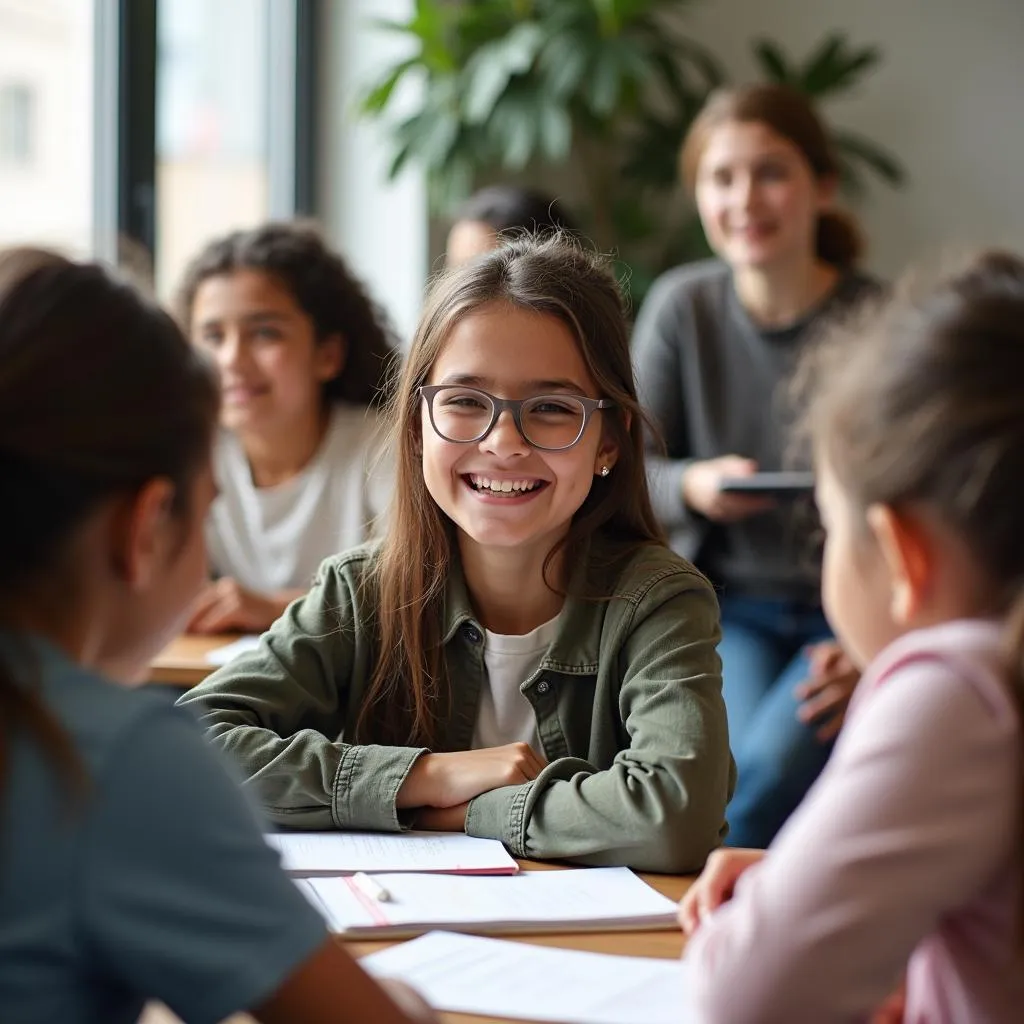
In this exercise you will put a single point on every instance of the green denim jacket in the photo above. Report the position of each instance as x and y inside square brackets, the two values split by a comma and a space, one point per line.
[628, 700]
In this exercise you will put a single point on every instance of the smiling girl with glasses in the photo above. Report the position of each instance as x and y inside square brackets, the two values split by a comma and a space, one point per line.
[521, 657]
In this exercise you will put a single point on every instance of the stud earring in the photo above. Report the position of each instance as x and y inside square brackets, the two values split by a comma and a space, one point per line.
[605, 471]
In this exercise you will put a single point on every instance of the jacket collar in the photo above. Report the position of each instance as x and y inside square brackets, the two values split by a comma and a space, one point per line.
[574, 650]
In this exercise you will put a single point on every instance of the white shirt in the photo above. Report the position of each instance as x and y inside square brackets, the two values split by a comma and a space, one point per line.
[274, 538]
[505, 715]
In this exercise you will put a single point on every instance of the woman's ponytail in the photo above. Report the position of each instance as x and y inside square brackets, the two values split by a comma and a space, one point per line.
[839, 241]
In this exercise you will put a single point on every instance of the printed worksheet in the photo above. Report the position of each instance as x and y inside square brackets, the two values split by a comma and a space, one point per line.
[467, 974]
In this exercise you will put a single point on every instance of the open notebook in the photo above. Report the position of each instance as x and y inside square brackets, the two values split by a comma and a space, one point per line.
[585, 899]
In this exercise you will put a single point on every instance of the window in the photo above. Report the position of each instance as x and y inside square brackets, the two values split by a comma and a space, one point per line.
[211, 125]
[138, 129]
[46, 108]
[230, 86]
[16, 114]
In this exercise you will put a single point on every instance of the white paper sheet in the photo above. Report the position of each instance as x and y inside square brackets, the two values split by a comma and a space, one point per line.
[581, 900]
[337, 853]
[495, 978]
[222, 655]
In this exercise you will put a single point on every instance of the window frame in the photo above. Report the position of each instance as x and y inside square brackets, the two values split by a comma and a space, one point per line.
[124, 121]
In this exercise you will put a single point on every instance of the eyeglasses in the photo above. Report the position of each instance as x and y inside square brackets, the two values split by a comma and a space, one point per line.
[549, 422]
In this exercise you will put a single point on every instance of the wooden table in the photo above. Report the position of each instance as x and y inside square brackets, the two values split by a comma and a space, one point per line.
[183, 661]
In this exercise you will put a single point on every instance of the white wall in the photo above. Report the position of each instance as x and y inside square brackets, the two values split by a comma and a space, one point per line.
[380, 227]
[947, 99]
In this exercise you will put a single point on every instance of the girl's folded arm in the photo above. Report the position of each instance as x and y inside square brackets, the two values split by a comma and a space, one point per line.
[280, 712]
[660, 806]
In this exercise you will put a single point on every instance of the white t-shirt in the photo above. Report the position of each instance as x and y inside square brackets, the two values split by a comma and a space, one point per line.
[274, 538]
[505, 715]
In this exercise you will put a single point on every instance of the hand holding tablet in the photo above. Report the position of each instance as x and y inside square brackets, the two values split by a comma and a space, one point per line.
[780, 484]
[731, 488]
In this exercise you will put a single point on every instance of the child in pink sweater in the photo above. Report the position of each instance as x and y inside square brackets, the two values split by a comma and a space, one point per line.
[902, 869]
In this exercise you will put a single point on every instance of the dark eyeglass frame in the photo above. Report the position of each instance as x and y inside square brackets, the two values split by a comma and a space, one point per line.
[514, 406]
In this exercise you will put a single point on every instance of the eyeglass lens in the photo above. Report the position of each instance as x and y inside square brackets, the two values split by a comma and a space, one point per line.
[548, 421]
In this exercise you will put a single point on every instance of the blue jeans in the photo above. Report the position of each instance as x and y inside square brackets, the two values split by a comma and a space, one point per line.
[777, 756]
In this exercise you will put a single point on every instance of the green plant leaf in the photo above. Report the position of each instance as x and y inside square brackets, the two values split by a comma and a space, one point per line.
[408, 136]
[773, 62]
[398, 160]
[604, 86]
[514, 129]
[633, 58]
[629, 11]
[485, 80]
[855, 147]
[438, 140]
[821, 64]
[699, 58]
[449, 185]
[379, 95]
[851, 182]
[840, 73]
[562, 63]
[490, 69]
[429, 21]
[607, 17]
[391, 25]
[555, 132]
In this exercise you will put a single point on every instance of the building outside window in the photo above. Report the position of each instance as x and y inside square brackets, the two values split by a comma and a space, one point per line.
[46, 120]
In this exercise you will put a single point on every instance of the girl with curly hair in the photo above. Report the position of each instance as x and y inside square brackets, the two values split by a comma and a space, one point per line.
[303, 355]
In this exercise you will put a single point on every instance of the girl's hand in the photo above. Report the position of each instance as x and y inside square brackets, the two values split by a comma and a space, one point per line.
[226, 606]
[715, 885]
[827, 692]
[446, 780]
[702, 489]
[894, 1007]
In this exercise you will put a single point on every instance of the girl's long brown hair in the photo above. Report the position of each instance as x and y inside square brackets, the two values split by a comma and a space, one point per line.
[921, 402]
[790, 115]
[557, 277]
[99, 393]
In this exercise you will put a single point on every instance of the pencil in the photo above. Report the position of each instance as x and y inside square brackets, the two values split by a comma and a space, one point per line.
[370, 887]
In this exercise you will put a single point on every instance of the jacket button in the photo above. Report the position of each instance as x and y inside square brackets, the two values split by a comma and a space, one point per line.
[471, 633]
[543, 686]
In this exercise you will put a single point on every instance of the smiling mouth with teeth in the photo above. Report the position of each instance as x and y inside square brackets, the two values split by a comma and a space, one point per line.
[483, 485]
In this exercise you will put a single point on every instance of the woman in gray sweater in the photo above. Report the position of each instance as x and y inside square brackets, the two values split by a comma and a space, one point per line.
[713, 344]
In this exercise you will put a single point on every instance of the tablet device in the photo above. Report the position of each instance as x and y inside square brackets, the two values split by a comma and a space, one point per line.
[782, 484]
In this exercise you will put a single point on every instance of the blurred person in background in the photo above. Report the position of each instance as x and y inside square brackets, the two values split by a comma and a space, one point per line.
[712, 345]
[502, 211]
[303, 356]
